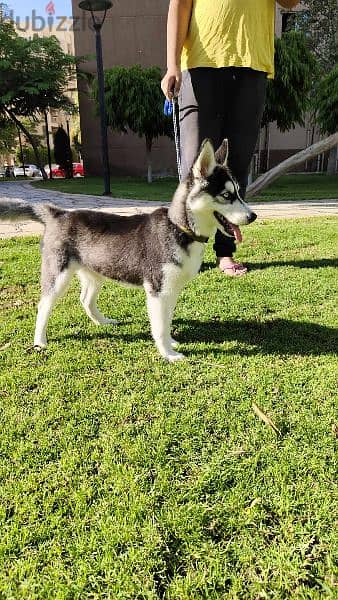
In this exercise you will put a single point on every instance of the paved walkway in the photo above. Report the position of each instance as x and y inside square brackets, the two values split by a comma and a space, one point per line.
[24, 191]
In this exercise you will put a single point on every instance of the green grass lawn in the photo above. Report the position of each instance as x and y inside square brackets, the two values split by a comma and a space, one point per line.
[289, 187]
[124, 477]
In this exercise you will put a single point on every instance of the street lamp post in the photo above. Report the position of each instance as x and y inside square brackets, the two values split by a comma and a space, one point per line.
[48, 146]
[94, 6]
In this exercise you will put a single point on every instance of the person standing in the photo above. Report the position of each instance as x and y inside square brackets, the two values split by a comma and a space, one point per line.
[219, 56]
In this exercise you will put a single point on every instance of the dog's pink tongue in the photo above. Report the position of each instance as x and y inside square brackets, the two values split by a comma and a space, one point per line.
[237, 233]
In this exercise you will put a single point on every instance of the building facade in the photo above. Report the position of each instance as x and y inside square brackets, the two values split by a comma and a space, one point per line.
[135, 33]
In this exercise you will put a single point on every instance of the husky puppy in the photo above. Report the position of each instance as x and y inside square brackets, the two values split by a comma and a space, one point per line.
[160, 251]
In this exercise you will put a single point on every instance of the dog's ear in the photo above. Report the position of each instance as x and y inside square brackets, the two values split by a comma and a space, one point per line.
[222, 153]
[205, 161]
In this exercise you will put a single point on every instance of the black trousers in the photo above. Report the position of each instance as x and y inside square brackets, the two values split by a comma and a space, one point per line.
[218, 103]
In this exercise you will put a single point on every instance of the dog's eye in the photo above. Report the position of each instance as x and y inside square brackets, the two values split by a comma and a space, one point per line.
[224, 195]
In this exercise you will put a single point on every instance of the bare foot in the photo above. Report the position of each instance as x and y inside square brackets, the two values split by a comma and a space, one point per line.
[231, 268]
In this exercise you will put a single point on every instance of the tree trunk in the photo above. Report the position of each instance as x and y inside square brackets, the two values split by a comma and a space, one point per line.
[264, 164]
[31, 141]
[250, 176]
[297, 159]
[308, 166]
[149, 143]
[259, 152]
[267, 129]
[332, 161]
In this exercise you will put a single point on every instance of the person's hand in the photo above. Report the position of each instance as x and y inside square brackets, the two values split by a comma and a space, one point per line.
[171, 83]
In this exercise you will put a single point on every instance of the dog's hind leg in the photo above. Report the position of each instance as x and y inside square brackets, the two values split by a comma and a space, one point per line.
[54, 285]
[160, 309]
[90, 287]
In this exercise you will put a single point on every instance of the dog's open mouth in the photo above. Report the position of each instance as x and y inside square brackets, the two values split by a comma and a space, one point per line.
[230, 228]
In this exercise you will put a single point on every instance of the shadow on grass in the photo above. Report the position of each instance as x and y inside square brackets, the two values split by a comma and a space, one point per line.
[279, 336]
[298, 264]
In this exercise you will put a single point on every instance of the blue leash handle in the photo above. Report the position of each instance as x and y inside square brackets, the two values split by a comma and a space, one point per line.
[168, 108]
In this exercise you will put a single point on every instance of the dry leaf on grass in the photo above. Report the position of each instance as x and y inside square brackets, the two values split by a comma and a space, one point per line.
[5, 346]
[254, 502]
[265, 418]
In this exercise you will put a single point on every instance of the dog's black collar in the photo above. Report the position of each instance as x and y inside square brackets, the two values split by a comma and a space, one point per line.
[190, 233]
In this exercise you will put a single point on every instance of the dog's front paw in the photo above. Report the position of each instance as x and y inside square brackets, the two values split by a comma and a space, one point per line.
[107, 321]
[40, 345]
[174, 356]
[173, 343]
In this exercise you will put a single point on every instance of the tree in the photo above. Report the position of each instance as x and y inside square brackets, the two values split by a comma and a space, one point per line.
[325, 105]
[326, 102]
[295, 90]
[77, 143]
[319, 23]
[8, 136]
[34, 74]
[288, 94]
[134, 101]
[63, 153]
[29, 155]
[293, 161]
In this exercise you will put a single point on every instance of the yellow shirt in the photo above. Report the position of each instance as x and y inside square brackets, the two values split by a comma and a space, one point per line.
[231, 33]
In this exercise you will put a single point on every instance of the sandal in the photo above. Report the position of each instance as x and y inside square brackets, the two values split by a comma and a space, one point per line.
[235, 270]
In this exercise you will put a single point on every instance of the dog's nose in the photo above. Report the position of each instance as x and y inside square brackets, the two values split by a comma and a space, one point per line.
[252, 217]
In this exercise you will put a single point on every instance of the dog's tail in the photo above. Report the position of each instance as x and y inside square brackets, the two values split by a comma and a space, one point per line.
[18, 210]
